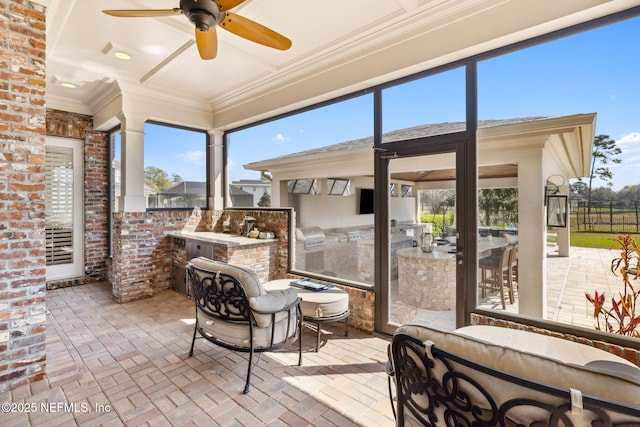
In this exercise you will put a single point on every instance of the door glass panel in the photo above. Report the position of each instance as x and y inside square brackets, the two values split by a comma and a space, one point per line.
[498, 248]
[422, 240]
[59, 205]
[63, 203]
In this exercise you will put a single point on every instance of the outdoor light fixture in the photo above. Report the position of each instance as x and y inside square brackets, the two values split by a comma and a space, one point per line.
[557, 203]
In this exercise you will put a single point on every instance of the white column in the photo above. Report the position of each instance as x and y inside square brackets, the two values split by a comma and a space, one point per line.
[132, 167]
[276, 200]
[532, 265]
[217, 172]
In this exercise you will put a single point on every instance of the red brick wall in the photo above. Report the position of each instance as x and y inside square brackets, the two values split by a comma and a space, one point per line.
[22, 187]
[274, 220]
[141, 258]
[96, 191]
[141, 261]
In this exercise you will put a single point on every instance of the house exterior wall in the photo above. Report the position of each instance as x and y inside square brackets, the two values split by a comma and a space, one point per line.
[22, 188]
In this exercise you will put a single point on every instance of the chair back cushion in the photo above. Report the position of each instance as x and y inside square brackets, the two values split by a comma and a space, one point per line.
[248, 278]
[592, 380]
[274, 300]
[225, 297]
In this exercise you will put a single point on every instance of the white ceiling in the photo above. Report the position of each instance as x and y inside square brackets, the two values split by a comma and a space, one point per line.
[338, 46]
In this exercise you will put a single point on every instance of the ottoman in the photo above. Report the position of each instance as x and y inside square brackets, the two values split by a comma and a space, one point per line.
[329, 305]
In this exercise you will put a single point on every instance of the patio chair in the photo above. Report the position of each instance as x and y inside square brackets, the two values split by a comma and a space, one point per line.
[496, 274]
[234, 311]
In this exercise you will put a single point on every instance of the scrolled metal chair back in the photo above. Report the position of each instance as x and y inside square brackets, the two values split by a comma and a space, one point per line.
[219, 295]
[438, 388]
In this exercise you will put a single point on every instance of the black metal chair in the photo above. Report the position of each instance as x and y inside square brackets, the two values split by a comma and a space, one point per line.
[235, 312]
[436, 388]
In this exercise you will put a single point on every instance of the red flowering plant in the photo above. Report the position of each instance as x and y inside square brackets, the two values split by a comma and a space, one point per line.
[623, 316]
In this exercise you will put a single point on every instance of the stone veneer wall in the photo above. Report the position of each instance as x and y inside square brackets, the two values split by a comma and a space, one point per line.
[96, 191]
[631, 354]
[22, 189]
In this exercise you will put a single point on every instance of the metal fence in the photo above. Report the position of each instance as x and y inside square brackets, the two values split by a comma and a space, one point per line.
[605, 217]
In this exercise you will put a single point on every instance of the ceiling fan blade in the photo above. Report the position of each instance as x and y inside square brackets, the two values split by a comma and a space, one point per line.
[225, 5]
[207, 42]
[142, 13]
[255, 32]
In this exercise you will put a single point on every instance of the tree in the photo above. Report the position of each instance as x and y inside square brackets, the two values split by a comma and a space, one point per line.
[265, 200]
[603, 194]
[176, 179]
[604, 152]
[629, 193]
[157, 178]
[495, 201]
[579, 189]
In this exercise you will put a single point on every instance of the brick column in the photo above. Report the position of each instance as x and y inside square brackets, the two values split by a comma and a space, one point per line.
[22, 188]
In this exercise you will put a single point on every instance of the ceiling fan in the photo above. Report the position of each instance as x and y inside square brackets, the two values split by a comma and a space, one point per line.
[206, 15]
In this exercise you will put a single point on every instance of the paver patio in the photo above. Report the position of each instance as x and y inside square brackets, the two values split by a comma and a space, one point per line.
[127, 364]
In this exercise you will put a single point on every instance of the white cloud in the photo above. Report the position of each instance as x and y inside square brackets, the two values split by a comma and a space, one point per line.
[630, 138]
[281, 138]
[193, 157]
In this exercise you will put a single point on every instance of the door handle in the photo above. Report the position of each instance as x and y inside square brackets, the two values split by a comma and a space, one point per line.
[459, 257]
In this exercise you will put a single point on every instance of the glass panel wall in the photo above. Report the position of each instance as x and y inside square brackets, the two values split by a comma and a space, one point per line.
[428, 106]
[320, 162]
[175, 167]
[542, 111]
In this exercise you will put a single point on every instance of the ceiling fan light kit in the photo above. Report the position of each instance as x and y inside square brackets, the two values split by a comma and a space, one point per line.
[208, 14]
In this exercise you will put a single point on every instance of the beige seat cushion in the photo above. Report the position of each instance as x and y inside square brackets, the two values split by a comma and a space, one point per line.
[323, 304]
[237, 334]
[536, 367]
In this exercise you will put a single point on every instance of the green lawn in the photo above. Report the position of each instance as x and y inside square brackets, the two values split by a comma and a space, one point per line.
[594, 240]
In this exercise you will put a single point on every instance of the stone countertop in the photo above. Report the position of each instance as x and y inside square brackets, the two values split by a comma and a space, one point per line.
[440, 252]
[222, 238]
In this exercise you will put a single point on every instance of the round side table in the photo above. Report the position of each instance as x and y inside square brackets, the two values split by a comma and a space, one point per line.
[329, 305]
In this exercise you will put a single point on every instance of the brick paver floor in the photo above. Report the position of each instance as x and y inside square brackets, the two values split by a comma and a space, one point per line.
[111, 364]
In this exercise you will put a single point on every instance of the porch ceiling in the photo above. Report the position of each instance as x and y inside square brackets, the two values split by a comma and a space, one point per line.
[338, 47]
[484, 172]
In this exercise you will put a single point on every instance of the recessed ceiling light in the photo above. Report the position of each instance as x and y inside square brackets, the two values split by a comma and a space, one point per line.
[122, 55]
[68, 85]
[118, 51]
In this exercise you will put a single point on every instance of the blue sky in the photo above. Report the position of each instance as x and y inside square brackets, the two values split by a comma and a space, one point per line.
[589, 72]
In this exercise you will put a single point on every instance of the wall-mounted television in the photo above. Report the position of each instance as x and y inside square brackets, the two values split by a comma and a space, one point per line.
[365, 205]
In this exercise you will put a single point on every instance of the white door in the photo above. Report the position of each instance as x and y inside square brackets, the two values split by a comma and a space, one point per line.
[64, 203]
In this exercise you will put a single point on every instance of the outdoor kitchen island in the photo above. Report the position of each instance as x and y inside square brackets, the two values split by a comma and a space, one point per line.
[259, 255]
[427, 279]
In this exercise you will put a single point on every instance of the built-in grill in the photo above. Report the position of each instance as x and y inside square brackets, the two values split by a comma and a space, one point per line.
[312, 237]
[352, 236]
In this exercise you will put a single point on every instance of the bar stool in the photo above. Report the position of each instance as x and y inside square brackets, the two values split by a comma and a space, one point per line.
[496, 274]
